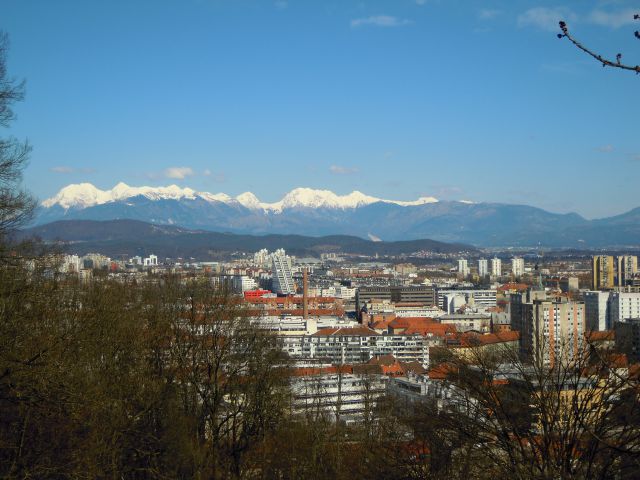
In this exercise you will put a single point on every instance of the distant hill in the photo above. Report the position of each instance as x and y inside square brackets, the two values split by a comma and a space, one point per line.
[322, 212]
[133, 237]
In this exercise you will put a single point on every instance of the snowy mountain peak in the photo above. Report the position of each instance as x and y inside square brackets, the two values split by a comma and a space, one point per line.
[249, 200]
[81, 195]
[310, 198]
[85, 195]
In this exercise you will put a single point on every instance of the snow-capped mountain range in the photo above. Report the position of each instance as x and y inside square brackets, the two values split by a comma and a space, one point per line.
[85, 195]
[312, 212]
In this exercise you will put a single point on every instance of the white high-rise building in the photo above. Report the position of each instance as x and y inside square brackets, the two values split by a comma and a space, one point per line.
[282, 275]
[261, 258]
[595, 310]
[483, 267]
[622, 306]
[151, 261]
[463, 267]
[496, 267]
[243, 283]
[517, 266]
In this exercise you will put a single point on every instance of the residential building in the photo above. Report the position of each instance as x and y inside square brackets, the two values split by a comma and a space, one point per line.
[151, 261]
[551, 329]
[243, 283]
[464, 322]
[517, 266]
[596, 310]
[627, 267]
[483, 267]
[340, 345]
[463, 267]
[569, 284]
[345, 393]
[282, 275]
[484, 298]
[623, 305]
[413, 294]
[602, 272]
[496, 267]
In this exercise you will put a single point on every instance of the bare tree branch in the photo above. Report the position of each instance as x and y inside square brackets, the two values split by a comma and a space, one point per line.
[605, 62]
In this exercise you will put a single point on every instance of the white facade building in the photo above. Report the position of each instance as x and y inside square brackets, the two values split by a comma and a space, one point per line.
[343, 396]
[622, 306]
[483, 298]
[71, 264]
[347, 345]
[463, 267]
[595, 309]
[517, 266]
[243, 283]
[483, 267]
[282, 275]
[496, 267]
[151, 261]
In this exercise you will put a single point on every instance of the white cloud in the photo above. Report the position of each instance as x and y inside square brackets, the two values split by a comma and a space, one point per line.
[421, 2]
[606, 148]
[380, 21]
[488, 14]
[69, 170]
[338, 170]
[545, 18]
[612, 19]
[281, 4]
[179, 173]
[62, 169]
[206, 172]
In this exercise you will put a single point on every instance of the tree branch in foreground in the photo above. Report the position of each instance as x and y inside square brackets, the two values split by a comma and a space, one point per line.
[605, 62]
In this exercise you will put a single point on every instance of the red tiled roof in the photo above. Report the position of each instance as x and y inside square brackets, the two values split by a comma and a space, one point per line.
[437, 329]
[520, 287]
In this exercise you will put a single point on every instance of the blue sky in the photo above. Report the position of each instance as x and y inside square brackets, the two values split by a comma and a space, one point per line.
[397, 98]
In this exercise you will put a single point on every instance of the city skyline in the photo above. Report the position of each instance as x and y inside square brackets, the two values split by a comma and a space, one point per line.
[398, 100]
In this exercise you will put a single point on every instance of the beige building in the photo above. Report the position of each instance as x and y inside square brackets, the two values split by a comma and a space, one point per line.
[627, 268]
[550, 329]
[602, 272]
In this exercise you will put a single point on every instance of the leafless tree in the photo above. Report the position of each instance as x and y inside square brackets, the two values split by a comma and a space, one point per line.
[577, 417]
[16, 205]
